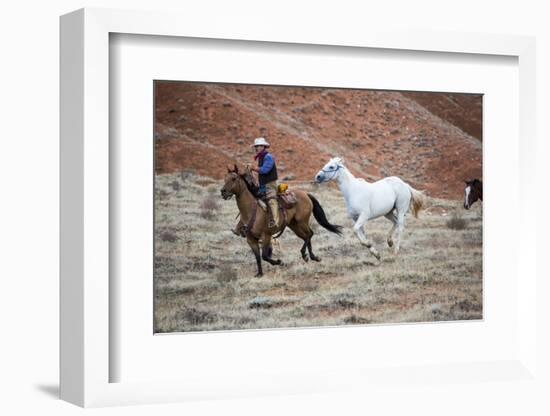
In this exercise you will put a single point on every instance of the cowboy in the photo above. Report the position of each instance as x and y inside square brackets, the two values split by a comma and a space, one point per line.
[267, 177]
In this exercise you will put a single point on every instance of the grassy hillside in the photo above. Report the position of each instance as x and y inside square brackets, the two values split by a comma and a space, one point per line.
[204, 274]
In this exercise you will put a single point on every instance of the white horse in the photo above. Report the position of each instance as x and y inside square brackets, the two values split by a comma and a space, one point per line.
[389, 197]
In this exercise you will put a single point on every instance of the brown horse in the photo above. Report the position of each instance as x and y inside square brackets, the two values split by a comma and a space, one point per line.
[256, 219]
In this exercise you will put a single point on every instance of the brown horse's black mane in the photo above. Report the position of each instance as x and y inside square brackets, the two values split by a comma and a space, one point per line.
[251, 185]
[248, 179]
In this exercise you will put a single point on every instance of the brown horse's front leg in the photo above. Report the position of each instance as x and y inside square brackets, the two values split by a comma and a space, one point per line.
[240, 229]
[255, 246]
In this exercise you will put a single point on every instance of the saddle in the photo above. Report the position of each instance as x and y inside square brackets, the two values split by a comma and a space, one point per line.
[287, 199]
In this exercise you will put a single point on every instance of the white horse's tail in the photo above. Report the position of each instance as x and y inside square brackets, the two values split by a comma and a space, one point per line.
[418, 201]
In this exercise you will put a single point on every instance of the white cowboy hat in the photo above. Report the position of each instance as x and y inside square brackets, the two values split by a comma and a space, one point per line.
[260, 141]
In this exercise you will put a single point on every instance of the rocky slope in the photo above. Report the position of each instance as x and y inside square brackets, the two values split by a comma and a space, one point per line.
[433, 141]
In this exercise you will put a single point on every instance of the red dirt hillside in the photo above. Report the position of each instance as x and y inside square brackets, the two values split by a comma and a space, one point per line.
[204, 127]
[463, 110]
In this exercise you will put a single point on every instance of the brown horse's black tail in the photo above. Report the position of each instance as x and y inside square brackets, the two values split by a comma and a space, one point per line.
[321, 218]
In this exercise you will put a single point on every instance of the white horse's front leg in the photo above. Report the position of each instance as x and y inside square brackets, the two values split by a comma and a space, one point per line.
[358, 230]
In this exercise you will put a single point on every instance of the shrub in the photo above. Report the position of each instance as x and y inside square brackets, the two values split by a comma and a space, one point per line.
[162, 194]
[226, 274]
[207, 215]
[260, 302]
[208, 207]
[345, 303]
[175, 186]
[355, 320]
[169, 236]
[456, 222]
[186, 174]
[196, 317]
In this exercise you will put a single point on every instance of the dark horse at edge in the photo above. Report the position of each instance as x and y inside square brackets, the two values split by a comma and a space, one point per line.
[472, 192]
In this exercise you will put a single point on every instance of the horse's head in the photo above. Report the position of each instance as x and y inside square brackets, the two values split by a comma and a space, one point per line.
[232, 183]
[472, 192]
[331, 170]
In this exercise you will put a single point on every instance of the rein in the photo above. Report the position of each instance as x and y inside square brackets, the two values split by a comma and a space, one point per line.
[333, 172]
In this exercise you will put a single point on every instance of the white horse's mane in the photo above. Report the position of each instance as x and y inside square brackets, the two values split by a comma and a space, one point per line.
[338, 160]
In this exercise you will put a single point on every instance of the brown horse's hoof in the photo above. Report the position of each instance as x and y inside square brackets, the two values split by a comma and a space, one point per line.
[315, 258]
[305, 258]
[259, 275]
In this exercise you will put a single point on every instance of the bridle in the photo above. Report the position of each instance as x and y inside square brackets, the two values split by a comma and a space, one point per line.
[230, 194]
[333, 172]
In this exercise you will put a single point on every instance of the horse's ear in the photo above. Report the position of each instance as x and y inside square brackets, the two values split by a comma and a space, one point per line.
[228, 169]
[236, 168]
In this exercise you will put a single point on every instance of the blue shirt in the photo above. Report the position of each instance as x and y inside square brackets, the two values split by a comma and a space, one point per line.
[267, 165]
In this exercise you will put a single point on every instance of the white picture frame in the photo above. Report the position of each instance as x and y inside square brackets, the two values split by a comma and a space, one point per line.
[85, 213]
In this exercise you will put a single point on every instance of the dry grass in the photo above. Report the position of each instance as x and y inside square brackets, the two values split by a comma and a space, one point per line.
[204, 276]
